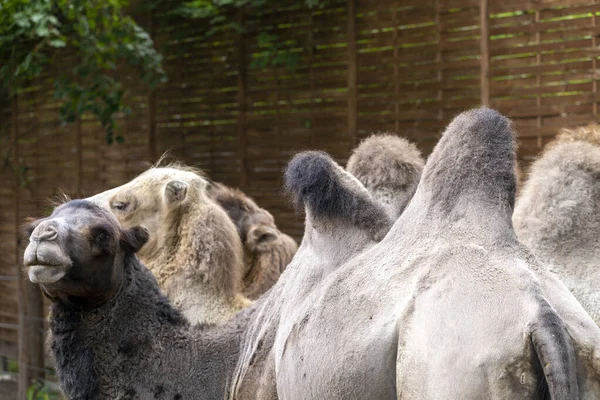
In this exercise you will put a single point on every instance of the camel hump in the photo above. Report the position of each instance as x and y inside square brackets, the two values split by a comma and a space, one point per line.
[386, 160]
[473, 166]
[390, 168]
[559, 200]
[327, 191]
[589, 133]
[554, 350]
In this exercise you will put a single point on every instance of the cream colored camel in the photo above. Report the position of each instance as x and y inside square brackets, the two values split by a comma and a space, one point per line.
[194, 249]
[557, 214]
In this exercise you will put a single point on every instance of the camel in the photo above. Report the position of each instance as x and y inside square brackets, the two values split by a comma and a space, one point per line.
[390, 168]
[267, 250]
[193, 250]
[557, 214]
[444, 303]
[112, 334]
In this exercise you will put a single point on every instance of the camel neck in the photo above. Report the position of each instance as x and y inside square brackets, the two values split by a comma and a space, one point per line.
[139, 345]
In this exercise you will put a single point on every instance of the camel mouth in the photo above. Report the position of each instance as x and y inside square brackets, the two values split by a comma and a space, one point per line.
[46, 273]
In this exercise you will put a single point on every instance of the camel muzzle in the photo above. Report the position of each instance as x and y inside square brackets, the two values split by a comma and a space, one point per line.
[44, 258]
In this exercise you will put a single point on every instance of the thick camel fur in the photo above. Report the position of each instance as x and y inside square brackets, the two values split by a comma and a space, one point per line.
[558, 212]
[194, 249]
[267, 250]
[390, 168]
[444, 304]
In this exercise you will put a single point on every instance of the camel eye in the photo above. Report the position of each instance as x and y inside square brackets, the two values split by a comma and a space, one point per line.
[102, 239]
[119, 205]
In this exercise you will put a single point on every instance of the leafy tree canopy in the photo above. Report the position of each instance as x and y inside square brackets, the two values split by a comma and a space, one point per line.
[83, 41]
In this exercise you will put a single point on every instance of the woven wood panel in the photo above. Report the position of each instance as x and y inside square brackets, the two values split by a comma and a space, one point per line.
[364, 66]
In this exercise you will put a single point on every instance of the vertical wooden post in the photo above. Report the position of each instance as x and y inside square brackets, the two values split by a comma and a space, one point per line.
[241, 98]
[352, 74]
[79, 134]
[396, 72]
[30, 349]
[152, 145]
[485, 52]
[594, 68]
[538, 81]
[439, 58]
[311, 77]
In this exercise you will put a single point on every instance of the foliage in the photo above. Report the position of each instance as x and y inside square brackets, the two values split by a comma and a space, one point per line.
[86, 40]
[41, 391]
[13, 366]
[221, 15]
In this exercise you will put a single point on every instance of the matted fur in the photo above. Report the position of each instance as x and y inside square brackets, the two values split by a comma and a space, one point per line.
[133, 345]
[267, 251]
[194, 249]
[316, 182]
[589, 133]
[558, 212]
[390, 168]
[447, 305]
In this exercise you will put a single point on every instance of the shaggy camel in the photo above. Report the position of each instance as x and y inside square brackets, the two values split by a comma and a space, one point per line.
[447, 305]
[557, 214]
[267, 251]
[390, 168]
[193, 250]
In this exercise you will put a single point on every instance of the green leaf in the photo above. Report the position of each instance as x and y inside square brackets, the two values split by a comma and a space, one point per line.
[57, 43]
[36, 18]
[42, 30]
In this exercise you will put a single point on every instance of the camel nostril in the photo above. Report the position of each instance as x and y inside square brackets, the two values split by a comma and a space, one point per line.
[49, 234]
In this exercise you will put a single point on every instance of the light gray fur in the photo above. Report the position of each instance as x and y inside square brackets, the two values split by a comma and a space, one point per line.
[390, 168]
[447, 305]
[558, 217]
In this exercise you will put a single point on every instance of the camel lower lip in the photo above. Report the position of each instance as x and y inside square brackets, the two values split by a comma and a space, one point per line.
[45, 273]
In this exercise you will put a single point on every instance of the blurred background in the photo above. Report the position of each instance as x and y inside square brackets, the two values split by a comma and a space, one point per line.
[92, 92]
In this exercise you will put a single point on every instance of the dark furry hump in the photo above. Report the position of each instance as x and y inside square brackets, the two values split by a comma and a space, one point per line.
[474, 157]
[312, 180]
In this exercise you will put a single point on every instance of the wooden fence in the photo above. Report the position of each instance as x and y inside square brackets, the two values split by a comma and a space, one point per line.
[365, 66]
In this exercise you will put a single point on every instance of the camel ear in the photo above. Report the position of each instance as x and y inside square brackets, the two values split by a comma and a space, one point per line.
[175, 191]
[261, 235]
[134, 238]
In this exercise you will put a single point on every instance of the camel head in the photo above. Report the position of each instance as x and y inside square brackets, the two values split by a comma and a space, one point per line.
[77, 254]
[255, 225]
[155, 199]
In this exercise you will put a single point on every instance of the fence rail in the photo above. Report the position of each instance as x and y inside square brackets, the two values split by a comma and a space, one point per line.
[365, 66]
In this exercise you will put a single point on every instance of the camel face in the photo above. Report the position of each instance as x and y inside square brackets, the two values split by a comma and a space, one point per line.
[75, 252]
[152, 199]
[194, 250]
